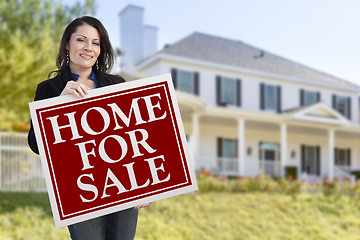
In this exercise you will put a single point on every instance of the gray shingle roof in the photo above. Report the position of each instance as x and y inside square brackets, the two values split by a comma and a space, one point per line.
[220, 50]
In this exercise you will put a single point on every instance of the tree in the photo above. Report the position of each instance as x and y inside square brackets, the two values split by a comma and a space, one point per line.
[30, 32]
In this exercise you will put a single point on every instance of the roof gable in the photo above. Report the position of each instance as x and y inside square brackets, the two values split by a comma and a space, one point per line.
[318, 112]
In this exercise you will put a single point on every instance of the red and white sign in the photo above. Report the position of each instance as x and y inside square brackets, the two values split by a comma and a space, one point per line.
[121, 146]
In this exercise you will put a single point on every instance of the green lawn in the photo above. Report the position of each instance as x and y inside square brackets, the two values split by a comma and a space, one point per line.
[204, 216]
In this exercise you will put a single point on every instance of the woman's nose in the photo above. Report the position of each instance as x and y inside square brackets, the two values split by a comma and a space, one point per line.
[88, 47]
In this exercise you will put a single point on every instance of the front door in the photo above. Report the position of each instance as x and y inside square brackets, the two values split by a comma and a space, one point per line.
[270, 159]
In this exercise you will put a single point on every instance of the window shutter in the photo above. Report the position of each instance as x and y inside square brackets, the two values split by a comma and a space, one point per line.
[196, 84]
[236, 148]
[302, 93]
[218, 90]
[336, 156]
[262, 96]
[219, 152]
[348, 157]
[303, 159]
[318, 160]
[334, 101]
[219, 147]
[278, 96]
[349, 108]
[238, 92]
[174, 77]
[318, 97]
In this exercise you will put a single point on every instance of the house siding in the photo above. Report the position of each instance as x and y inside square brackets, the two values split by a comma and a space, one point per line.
[250, 93]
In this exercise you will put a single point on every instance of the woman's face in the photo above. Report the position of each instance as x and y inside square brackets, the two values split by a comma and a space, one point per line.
[84, 48]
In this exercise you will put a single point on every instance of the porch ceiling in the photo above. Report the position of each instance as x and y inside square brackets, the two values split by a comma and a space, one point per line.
[270, 126]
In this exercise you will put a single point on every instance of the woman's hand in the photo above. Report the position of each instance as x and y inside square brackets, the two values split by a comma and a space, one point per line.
[79, 90]
[142, 206]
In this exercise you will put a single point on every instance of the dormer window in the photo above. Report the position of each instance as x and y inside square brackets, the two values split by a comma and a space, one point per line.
[186, 81]
[228, 91]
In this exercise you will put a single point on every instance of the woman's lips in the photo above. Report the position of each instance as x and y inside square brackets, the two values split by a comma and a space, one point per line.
[87, 57]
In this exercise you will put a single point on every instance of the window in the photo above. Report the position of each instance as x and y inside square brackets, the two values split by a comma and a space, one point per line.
[228, 91]
[185, 81]
[309, 97]
[229, 148]
[340, 105]
[342, 157]
[269, 151]
[226, 148]
[270, 97]
[310, 159]
[227, 156]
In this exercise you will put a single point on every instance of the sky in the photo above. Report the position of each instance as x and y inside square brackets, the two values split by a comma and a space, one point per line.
[321, 34]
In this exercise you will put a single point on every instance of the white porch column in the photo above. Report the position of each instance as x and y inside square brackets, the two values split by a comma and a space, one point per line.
[241, 146]
[283, 153]
[194, 139]
[331, 139]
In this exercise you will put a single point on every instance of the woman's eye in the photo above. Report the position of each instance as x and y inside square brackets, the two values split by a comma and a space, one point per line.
[96, 43]
[80, 40]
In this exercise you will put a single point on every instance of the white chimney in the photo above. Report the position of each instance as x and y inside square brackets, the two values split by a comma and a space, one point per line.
[150, 40]
[137, 41]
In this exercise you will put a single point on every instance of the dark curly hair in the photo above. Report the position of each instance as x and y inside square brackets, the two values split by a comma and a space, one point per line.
[106, 58]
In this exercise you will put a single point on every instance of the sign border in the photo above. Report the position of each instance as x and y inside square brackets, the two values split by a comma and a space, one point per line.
[163, 80]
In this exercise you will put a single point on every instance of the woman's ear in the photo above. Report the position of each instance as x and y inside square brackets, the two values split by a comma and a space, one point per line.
[67, 46]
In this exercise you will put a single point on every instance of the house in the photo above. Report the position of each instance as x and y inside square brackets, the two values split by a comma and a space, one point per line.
[246, 110]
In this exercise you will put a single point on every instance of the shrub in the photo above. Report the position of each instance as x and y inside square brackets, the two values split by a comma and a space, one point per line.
[291, 172]
[356, 173]
[262, 183]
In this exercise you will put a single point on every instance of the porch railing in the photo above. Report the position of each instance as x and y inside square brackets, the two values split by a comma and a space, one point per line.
[270, 168]
[20, 168]
[230, 166]
[219, 165]
[342, 172]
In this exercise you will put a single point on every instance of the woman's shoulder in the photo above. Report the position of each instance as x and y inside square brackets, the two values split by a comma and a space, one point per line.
[50, 81]
[50, 87]
[113, 78]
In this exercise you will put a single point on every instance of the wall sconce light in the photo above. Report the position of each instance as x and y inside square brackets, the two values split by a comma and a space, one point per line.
[249, 151]
[293, 154]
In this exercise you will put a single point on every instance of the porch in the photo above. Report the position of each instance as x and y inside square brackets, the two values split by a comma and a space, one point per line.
[317, 141]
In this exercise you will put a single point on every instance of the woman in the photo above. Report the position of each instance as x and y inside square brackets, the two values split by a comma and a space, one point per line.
[85, 56]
